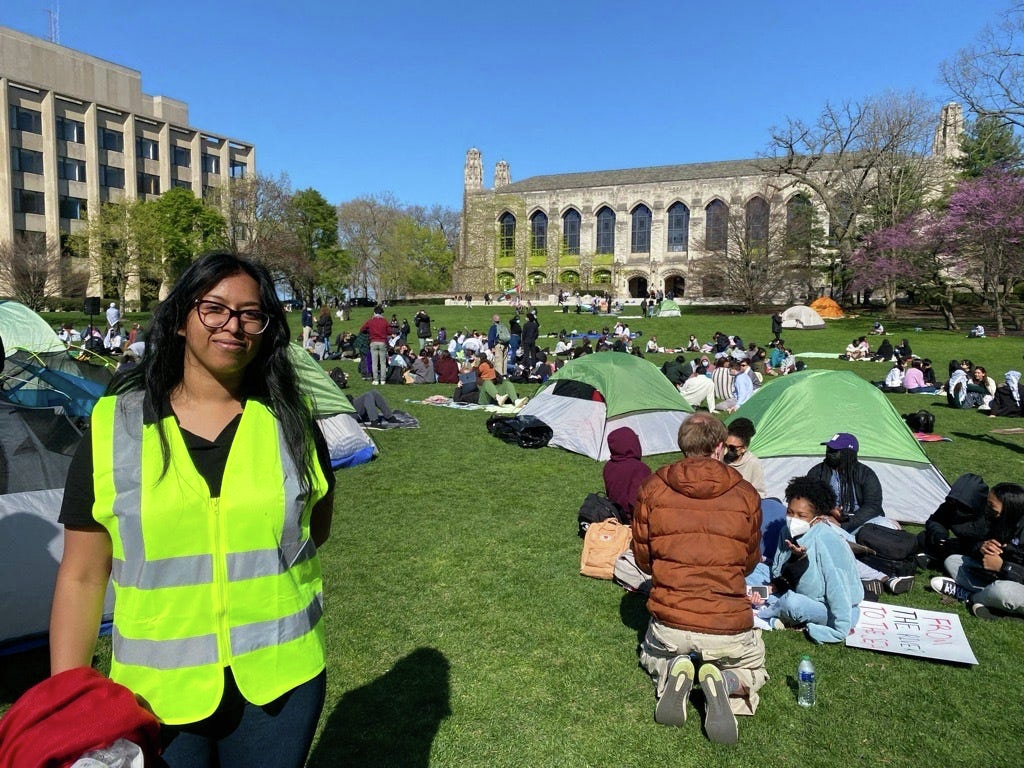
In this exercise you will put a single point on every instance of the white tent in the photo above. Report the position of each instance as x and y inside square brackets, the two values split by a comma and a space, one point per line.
[802, 318]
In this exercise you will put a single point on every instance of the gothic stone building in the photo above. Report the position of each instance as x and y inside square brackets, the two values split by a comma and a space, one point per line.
[626, 231]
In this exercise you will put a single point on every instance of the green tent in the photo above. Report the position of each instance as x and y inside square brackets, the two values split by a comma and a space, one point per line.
[593, 395]
[327, 397]
[795, 414]
[668, 308]
[21, 328]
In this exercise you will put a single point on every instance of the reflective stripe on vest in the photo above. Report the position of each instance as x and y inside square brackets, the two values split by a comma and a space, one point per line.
[237, 581]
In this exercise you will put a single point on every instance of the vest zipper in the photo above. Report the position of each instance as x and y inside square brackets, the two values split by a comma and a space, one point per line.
[220, 580]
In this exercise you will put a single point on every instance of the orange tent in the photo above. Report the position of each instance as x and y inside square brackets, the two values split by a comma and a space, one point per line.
[826, 307]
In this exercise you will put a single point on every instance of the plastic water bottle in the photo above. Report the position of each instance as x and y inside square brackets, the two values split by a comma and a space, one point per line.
[805, 682]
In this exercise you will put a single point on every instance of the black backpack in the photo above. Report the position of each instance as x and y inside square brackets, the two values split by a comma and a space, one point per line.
[595, 508]
[338, 377]
[892, 550]
[921, 421]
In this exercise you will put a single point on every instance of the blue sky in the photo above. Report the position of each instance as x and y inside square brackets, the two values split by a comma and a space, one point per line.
[355, 98]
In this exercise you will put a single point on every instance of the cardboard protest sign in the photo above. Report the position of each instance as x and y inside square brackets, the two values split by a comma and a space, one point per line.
[911, 632]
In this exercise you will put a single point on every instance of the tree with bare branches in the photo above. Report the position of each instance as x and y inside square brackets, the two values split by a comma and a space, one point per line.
[988, 76]
[868, 163]
[30, 271]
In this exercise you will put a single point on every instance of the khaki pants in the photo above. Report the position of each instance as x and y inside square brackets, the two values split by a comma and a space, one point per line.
[743, 654]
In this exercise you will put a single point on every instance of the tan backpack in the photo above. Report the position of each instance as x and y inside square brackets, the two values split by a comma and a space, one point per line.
[603, 543]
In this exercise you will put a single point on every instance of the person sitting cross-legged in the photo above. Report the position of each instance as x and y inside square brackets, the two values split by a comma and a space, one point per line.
[814, 576]
[991, 578]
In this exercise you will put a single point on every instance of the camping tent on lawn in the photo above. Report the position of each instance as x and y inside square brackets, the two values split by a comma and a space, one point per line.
[668, 308]
[593, 395]
[36, 446]
[827, 307]
[802, 318]
[21, 328]
[796, 413]
[348, 443]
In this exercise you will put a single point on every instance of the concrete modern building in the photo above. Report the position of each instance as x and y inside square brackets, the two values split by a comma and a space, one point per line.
[631, 231]
[77, 131]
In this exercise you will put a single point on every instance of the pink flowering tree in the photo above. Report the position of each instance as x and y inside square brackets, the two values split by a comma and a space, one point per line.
[911, 256]
[983, 230]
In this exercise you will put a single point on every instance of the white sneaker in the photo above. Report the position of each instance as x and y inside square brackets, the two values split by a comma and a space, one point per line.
[501, 399]
[522, 401]
[947, 586]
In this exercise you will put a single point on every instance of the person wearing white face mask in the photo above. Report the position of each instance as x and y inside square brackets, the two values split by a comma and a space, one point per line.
[814, 575]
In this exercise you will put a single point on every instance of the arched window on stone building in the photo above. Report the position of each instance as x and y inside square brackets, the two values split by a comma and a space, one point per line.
[841, 223]
[571, 232]
[506, 281]
[716, 234]
[757, 224]
[570, 277]
[678, 228]
[602, 276]
[712, 286]
[606, 230]
[539, 232]
[506, 234]
[799, 224]
[536, 278]
[640, 240]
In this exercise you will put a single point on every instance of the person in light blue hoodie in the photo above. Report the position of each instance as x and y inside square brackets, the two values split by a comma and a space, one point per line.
[814, 575]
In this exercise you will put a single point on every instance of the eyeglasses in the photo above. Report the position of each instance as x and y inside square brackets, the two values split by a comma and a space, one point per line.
[215, 316]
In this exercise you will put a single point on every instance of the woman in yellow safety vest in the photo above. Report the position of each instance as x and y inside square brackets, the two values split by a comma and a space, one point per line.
[203, 490]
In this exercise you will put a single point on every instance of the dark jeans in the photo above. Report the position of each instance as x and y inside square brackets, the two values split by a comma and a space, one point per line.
[276, 735]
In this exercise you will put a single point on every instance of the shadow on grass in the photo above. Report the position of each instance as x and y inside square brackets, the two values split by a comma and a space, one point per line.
[1016, 447]
[391, 721]
[633, 612]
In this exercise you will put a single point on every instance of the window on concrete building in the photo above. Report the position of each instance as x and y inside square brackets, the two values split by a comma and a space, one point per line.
[72, 207]
[147, 149]
[181, 157]
[757, 224]
[26, 160]
[539, 232]
[571, 232]
[181, 183]
[24, 119]
[238, 169]
[112, 140]
[69, 129]
[211, 164]
[148, 183]
[640, 238]
[606, 230]
[678, 228]
[28, 201]
[506, 234]
[716, 232]
[111, 177]
[70, 169]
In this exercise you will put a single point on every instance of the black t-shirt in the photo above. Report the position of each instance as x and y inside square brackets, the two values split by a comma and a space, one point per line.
[209, 458]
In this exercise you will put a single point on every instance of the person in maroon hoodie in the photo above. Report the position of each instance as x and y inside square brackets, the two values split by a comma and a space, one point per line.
[624, 470]
[377, 327]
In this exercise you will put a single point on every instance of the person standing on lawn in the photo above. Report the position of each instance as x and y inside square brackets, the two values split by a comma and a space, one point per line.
[377, 328]
[204, 492]
[697, 531]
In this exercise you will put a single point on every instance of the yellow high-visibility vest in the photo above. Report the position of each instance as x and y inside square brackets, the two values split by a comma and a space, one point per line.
[206, 583]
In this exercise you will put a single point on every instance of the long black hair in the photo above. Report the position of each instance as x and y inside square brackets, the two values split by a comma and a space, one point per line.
[269, 377]
[1011, 520]
[846, 470]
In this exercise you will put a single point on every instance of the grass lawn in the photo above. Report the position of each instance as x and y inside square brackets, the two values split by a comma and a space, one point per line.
[461, 634]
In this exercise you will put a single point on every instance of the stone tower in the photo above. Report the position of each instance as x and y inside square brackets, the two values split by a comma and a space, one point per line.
[502, 178]
[947, 135]
[473, 175]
